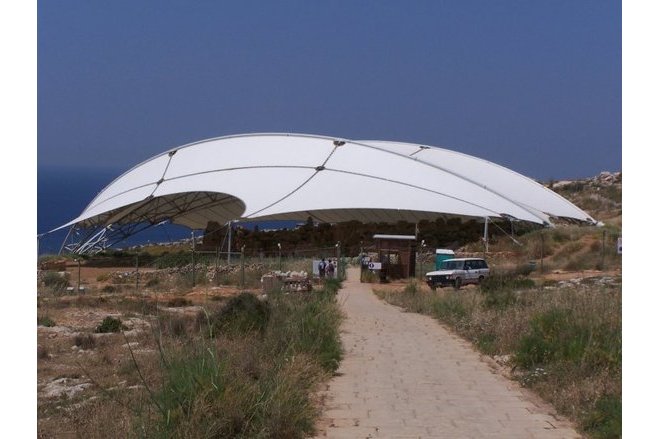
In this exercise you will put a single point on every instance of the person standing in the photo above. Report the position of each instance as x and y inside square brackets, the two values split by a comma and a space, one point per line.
[330, 269]
[321, 268]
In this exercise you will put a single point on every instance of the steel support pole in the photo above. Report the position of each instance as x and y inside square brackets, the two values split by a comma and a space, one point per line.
[78, 261]
[485, 240]
[338, 260]
[193, 261]
[229, 248]
[61, 249]
[242, 267]
[137, 273]
[217, 266]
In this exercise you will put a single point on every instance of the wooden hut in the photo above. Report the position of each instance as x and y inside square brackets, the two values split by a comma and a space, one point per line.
[397, 253]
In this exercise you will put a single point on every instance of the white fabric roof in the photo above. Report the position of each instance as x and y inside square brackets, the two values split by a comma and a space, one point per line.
[293, 176]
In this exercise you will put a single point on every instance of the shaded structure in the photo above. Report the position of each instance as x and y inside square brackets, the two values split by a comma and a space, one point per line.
[257, 177]
[397, 253]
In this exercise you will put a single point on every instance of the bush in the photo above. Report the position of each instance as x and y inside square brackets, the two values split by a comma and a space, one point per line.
[42, 353]
[411, 288]
[110, 324]
[332, 285]
[109, 289]
[45, 321]
[169, 260]
[449, 308]
[55, 281]
[153, 282]
[178, 302]
[554, 337]
[310, 327]
[505, 281]
[500, 299]
[241, 314]
[175, 326]
[85, 341]
[605, 421]
[184, 280]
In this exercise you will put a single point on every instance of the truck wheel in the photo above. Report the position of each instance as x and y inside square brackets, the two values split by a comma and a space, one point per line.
[480, 279]
[457, 284]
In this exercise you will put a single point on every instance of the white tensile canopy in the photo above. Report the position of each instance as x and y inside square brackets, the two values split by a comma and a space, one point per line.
[293, 177]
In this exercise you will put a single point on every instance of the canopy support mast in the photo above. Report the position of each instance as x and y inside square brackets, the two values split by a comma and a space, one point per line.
[485, 241]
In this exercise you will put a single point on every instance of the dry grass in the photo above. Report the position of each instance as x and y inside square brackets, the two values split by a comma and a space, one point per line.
[115, 384]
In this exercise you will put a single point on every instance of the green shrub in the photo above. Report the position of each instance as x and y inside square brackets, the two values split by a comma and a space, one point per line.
[605, 421]
[170, 260]
[184, 280]
[45, 321]
[332, 285]
[525, 269]
[175, 326]
[109, 289]
[55, 281]
[505, 281]
[42, 353]
[110, 324]
[241, 314]
[153, 282]
[486, 342]
[555, 336]
[369, 277]
[411, 288]
[500, 299]
[308, 326]
[178, 302]
[449, 308]
[85, 341]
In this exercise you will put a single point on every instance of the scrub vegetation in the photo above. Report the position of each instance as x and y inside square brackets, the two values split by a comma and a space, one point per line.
[247, 365]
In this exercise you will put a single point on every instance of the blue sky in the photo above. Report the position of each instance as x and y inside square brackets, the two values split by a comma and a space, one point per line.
[534, 86]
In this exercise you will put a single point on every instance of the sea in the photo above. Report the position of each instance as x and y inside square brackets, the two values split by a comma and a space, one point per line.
[64, 192]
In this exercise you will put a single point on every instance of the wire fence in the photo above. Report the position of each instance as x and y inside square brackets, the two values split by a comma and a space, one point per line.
[188, 269]
[546, 251]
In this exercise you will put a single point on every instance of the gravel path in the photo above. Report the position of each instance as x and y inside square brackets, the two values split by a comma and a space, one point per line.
[405, 376]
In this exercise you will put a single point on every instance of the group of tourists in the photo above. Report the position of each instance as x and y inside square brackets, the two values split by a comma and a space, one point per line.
[326, 269]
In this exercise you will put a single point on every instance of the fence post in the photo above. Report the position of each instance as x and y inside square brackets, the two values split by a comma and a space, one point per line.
[137, 273]
[242, 267]
[193, 262]
[217, 265]
[78, 261]
[229, 246]
[339, 265]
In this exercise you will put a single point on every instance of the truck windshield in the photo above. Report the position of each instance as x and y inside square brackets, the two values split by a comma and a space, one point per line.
[451, 265]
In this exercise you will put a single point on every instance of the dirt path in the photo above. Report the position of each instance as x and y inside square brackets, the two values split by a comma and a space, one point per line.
[405, 376]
